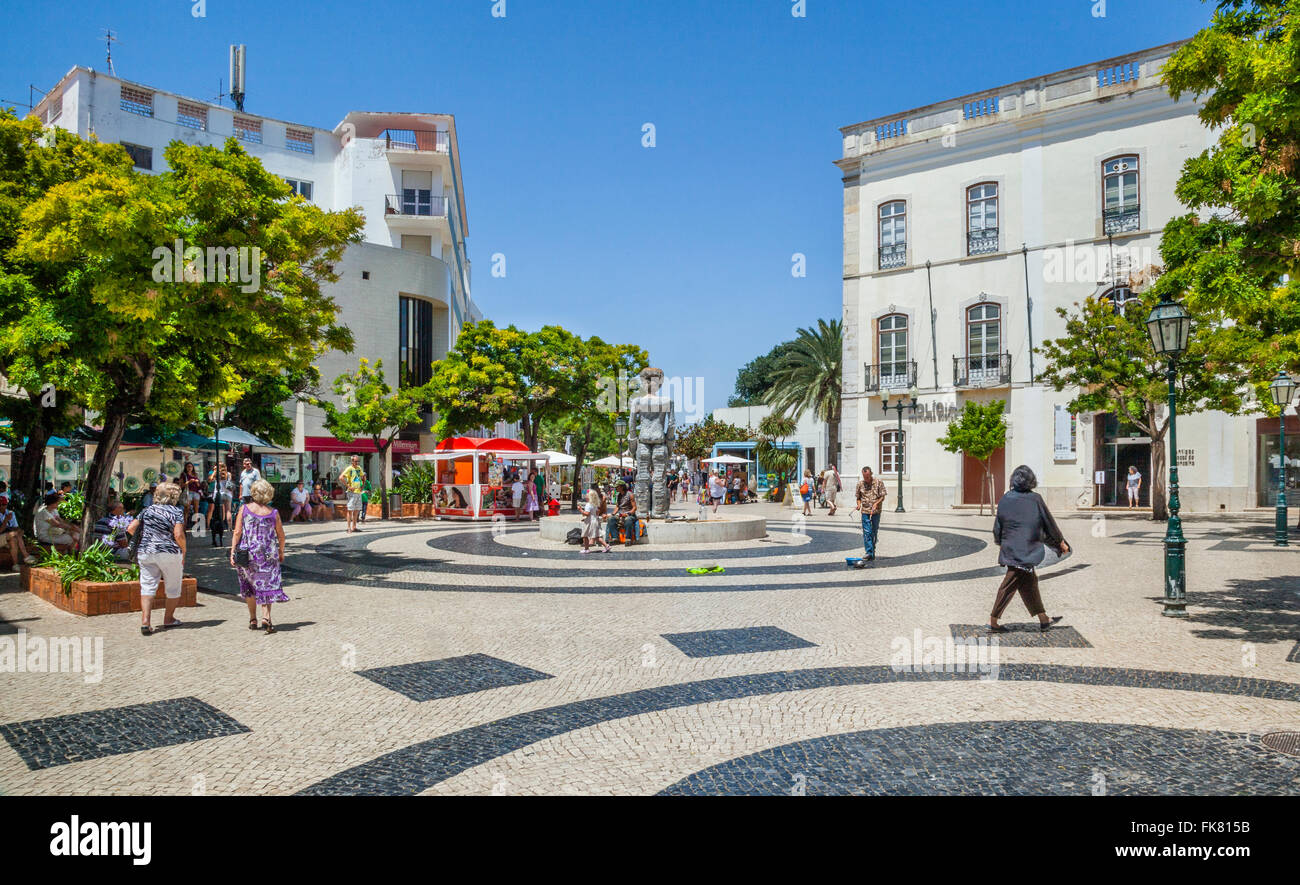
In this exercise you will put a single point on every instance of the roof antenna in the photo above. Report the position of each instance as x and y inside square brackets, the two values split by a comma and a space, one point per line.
[109, 40]
[238, 63]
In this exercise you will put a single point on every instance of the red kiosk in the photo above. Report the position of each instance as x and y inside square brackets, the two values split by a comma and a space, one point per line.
[471, 473]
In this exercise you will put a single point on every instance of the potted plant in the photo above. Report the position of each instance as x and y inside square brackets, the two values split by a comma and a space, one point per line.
[93, 582]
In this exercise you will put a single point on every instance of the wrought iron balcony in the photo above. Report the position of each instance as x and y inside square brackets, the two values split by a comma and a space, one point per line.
[893, 256]
[982, 242]
[890, 376]
[1118, 221]
[993, 370]
[437, 141]
[416, 204]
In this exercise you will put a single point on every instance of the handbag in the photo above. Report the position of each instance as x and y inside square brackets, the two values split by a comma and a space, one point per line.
[242, 557]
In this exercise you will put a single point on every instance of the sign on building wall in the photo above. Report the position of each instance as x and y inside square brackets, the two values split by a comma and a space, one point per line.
[1187, 457]
[1065, 436]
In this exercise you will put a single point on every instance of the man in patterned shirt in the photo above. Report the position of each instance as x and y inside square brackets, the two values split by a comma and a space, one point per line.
[870, 498]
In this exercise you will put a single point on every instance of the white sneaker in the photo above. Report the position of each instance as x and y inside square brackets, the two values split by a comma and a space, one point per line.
[585, 551]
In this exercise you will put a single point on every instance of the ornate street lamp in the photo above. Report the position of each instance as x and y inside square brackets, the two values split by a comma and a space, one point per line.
[899, 453]
[1283, 391]
[216, 414]
[1169, 325]
[620, 431]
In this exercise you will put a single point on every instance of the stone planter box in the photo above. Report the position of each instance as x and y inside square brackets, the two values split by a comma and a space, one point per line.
[93, 598]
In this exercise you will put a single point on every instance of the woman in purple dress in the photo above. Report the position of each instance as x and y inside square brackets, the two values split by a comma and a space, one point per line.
[259, 531]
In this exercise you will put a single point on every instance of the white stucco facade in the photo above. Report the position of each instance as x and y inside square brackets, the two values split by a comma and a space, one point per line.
[1037, 159]
[402, 170]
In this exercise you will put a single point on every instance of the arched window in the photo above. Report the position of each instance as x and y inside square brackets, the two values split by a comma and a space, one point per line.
[1120, 210]
[893, 445]
[893, 234]
[893, 351]
[983, 340]
[982, 218]
[1120, 297]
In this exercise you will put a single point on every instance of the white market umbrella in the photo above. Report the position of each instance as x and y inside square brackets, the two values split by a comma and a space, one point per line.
[559, 459]
[726, 459]
[613, 461]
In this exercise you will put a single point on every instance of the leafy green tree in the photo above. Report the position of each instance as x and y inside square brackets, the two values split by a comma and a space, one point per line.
[808, 377]
[979, 432]
[372, 410]
[1106, 355]
[260, 409]
[754, 379]
[771, 451]
[161, 346]
[475, 384]
[1235, 255]
[38, 356]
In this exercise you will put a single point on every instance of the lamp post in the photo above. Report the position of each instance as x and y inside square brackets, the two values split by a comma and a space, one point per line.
[620, 431]
[1283, 391]
[216, 414]
[898, 407]
[1169, 325]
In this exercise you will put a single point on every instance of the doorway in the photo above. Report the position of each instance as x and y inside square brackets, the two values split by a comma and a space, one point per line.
[1119, 446]
[972, 477]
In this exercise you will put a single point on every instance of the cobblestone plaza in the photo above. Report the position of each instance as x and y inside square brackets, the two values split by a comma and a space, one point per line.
[421, 657]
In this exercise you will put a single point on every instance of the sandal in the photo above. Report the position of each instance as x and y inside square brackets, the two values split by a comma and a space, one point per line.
[1045, 626]
[998, 629]
[146, 630]
[268, 626]
[252, 623]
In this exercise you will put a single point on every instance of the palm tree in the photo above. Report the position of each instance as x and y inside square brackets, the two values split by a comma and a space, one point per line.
[808, 377]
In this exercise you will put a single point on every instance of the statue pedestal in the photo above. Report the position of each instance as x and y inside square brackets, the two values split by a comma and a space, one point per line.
[715, 530]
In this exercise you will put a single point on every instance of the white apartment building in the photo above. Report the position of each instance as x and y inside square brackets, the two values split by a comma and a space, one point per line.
[404, 292]
[967, 223]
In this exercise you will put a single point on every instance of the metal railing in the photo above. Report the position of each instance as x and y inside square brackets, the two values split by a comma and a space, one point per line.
[981, 371]
[416, 204]
[435, 140]
[893, 256]
[982, 242]
[890, 376]
[1118, 221]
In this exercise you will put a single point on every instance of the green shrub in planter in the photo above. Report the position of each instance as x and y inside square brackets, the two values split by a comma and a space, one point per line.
[95, 563]
[416, 482]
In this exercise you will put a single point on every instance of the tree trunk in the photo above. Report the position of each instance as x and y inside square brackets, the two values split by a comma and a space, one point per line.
[383, 477]
[986, 487]
[1159, 479]
[833, 440]
[31, 469]
[101, 470]
[577, 466]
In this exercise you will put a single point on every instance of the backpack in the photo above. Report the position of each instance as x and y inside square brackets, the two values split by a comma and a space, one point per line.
[803, 489]
[574, 536]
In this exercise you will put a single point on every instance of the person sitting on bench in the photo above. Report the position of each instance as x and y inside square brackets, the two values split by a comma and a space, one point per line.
[626, 512]
[12, 536]
[53, 529]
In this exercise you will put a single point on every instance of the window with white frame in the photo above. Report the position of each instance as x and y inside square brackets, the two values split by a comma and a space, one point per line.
[893, 451]
[141, 155]
[893, 234]
[982, 218]
[1120, 298]
[301, 188]
[1121, 209]
[195, 116]
[983, 341]
[893, 351]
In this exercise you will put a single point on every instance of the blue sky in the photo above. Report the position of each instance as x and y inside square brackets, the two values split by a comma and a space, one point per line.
[684, 248]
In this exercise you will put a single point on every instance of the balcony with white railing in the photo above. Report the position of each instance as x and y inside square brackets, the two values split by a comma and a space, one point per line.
[1002, 104]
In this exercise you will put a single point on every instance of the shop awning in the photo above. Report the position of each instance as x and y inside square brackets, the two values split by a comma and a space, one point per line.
[360, 446]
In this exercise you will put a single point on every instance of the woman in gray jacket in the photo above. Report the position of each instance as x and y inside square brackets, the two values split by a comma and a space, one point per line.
[1022, 524]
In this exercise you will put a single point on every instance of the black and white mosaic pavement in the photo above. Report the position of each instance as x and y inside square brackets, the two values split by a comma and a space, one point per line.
[1022, 636]
[447, 568]
[1294, 657]
[1007, 759]
[60, 740]
[735, 641]
[412, 770]
[449, 677]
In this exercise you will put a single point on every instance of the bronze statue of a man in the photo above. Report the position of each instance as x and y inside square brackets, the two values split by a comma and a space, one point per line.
[651, 430]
